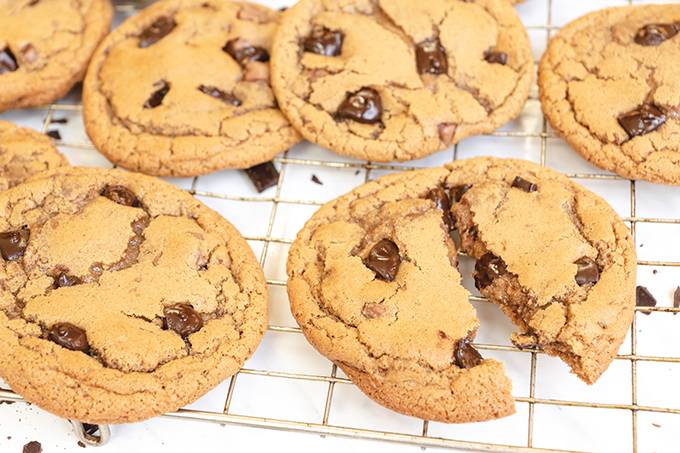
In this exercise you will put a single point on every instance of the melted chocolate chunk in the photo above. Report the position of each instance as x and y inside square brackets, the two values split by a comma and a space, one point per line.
[63, 280]
[363, 106]
[466, 355]
[243, 53]
[488, 268]
[441, 201]
[8, 62]
[431, 57]
[223, 96]
[156, 31]
[324, 41]
[456, 193]
[69, 336]
[13, 244]
[655, 34]
[496, 57]
[384, 260]
[121, 195]
[263, 176]
[643, 298]
[643, 120]
[156, 98]
[587, 272]
[527, 186]
[183, 319]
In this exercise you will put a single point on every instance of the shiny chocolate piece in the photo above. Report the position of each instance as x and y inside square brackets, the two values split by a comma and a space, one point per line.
[223, 96]
[431, 57]
[121, 195]
[183, 319]
[243, 52]
[523, 184]
[465, 355]
[8, 62]
[384, 260]
[488, 268]
[64, 280]
[156, 98]
[324, 41]
[496, 57]
[655, 34]
[159, 29]
[263, 176]
[643, 120]
[587, 272]
[13, 244]
[363, 106]
[69, 336]
[441, 201]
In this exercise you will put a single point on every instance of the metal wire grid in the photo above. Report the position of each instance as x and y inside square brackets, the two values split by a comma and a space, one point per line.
[423, 440]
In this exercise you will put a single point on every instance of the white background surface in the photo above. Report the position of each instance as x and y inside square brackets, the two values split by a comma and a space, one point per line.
[555, 426]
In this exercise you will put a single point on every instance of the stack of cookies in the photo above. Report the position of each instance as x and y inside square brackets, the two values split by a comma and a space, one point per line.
[122, 297]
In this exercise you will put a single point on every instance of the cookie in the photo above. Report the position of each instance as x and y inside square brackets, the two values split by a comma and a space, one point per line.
[387, 80]
[45, 46]
[182, 89]
[375, 286]
[122, 296]
[609, 85]
[25, 153]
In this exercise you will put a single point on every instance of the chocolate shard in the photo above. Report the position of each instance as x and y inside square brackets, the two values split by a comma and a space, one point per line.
[523, 184]
[158, 30]
[384, 260]
[121, 195]
[8, 62]
[13, 244]
[182, 319]
[263, 176]
[324, 41]
[223, 96]
[465, 355]
[69, 336]
[643, 120]
[588, 272]
[676, 298]
[643, 298]
[496, 57]
[363, 106]
[655, 34]
[156, 98]
[431, 57]
[441, 201]
[487, 269]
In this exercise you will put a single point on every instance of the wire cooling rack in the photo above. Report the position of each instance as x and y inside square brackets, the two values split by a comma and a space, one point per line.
[288, 386]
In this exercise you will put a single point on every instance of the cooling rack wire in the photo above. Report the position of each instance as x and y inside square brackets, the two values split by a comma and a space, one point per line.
[425, 437]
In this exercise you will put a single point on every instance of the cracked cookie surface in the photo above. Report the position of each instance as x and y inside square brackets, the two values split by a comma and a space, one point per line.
[609, 85]
[182, 89]
[121, 296]
[389, 80]
[25, 153]
[374, 284]
[45, 46]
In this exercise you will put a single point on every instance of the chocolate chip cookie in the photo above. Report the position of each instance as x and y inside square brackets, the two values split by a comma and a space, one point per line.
[375, 286]
[25, 153]
[609, 85]
[45, 46]
[183, 89]
[122, 297]
[389, 80]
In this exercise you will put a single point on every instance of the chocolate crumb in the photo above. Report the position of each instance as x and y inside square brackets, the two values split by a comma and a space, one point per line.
[656, 425]
[357, 172]
[81, 444]
[58, 120]
[33, 447]
[54, 134]
[315, 179]
[643, 298]
[655, 272]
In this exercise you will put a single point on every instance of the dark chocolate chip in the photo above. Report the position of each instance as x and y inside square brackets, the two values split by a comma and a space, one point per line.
[69, 336]
[156, 31]
[263, 176]
[183, 319]
[363, 106]
[243, 53]
[156, 98]
[587, 272]
[324, 41]
[456, 193]
[316, 180]
[54, 134]
[63, 280]
[488, 268]
[8, 62]
[496, 57]
[643, 298]
[13, 243]
[223, 96]
[384, 260]
[431, 57]
[527, 186]
[466, 355]
[441, 201]
[643, 120]
[655, 34]
[32, 447]
[121, 195]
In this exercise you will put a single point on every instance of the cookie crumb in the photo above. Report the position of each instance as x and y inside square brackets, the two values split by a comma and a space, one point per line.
[316, 180]
[33, 447]
[54, 134]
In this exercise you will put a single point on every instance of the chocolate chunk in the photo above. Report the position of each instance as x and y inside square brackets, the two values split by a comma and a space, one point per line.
[121, 195]
[466, 355]
[223, 96]
[91, 430]
[488, 268]
[441, 201]
[456, 193]
[676, 298]
[587, 272]
[183, 319]
[655, 34]
[156, 31]
[431, 57]
[324, 41]
[372, 310]
[263, 176]
[54, 134]
[384, 260]
[363, 106]
[156, 98]
[643, 120]
[32, 447]
[243, 52]
[13, 244]
[8, 62]
[316, 180]
[527, 186]
[69, 336]
[643, 298]
[63, 280]
[496, 57]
